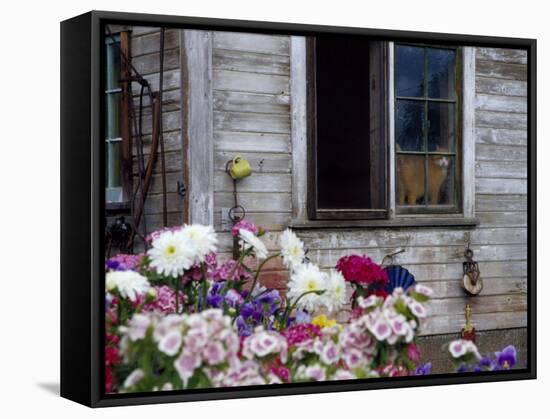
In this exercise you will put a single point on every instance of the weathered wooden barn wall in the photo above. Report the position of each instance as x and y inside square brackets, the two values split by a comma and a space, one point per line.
[251, 90]
[145, 47]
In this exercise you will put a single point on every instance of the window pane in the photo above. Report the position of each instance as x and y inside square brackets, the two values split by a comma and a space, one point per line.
[441, 73]
[112, 116]
[343, 130]
[441, 190]
[441, 126]
[112, 76]
[409, 71]
[410, 122]
[410, 179]
[113, 164]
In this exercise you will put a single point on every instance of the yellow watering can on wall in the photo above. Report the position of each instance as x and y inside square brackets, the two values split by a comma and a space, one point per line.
[239, 168]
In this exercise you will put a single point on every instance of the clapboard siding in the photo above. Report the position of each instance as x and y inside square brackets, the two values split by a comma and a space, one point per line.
[251, 103]
[263, 44]
[145, 49]
[251, 62]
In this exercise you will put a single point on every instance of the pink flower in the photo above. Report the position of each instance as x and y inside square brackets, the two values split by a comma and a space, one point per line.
[413, 352]
[301, 332]
[186, 364]
[363, 271]
[244, 225]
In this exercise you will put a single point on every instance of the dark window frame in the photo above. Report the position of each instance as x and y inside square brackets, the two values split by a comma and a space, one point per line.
[378, 137]
[423, 209]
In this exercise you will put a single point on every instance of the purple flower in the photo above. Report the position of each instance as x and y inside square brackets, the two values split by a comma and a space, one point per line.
[244, 225]
[243, 328]
[463, 368]
[423, 369]
[302, 317]
[507, 358]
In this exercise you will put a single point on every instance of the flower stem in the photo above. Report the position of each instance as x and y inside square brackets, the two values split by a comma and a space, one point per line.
[292, 306]
[249, 296]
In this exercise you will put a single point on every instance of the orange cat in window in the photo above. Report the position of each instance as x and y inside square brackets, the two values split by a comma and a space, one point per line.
[410, 178]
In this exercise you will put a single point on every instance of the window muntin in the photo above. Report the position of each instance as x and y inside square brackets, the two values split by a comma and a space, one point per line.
[113, 136]
[426, 138]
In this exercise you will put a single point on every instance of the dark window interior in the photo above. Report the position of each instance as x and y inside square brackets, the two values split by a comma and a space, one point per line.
[343, 156]
[349, 139]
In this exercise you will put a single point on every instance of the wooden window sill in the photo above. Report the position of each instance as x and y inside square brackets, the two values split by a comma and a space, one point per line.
[398, 222]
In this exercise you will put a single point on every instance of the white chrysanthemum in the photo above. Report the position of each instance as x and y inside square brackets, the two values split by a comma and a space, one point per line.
[292, 249]
[306, 278]
[172, 253]
[335, 296]
[203, 239]
[129, 284]
[251, 241]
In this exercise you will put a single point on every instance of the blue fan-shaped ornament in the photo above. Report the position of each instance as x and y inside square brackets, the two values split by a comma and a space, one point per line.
[398, 277]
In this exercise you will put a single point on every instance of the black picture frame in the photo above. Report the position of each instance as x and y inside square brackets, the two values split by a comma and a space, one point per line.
[82, 209]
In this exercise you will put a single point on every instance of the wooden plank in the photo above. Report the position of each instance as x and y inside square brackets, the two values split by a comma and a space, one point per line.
[171, 121]
[197, 62]
[150, 63]
[171, 80]
[491, 286]
[500, 153]
[173, 162]
[453, 271]
[238, 81]
[153, 222]
[513, 104]
[258, 182]
[252, 141]
[172, 179]
[251, 102]
[153, 203]
[365, 239]
[503, 219]
[172, 142]
[252, 42]
[143, 30]
[274, 221]
[501, 70]
[260, 162]
[501, 137]
[501, 169]
[486, 321]
[497, 236]
[150, 43]
[255, 201]
[505, 55]
[501, 186]
[171, 101]
[505, 203]
[480, 304]
[468, 130]
[251, 122]
[501, 87]
[441, 254]
[298, 120]
[250, 62]
[501, 120]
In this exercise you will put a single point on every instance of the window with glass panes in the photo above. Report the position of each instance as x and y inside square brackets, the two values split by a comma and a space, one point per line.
[113, 137]
[426, 129]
